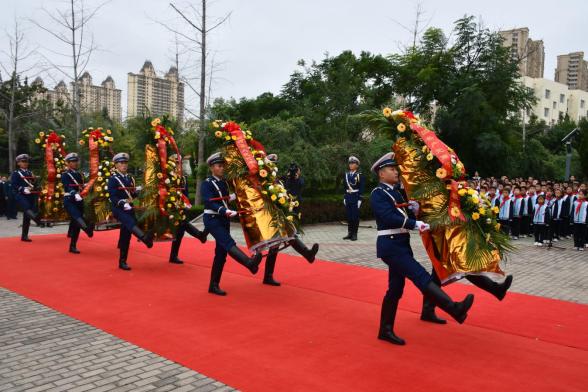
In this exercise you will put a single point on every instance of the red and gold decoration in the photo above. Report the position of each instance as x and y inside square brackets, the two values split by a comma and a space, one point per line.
[267, 212]
[95, 192]
[465, 237]
[51, 194]
[162, 199]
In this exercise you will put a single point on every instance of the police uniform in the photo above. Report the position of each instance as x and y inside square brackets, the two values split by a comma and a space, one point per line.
[122, 191]
[23, 185]
[73, 183]
[353, 184]
[215, 195]
[184, 226]
[394, 222]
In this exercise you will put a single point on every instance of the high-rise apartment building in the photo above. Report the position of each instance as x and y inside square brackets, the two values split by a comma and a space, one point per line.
[529, 54]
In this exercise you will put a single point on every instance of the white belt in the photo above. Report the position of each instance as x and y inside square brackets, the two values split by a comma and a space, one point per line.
[392, 231]
[210, 212]
[352, 190]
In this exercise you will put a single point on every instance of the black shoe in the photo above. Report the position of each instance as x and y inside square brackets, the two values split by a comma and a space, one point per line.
[387, 318]
[503, 288]
[26, 239]
[176, 261]
[123, 266]
[73, 249]
[457, 310]
[347, 237]
[353, 237]
[251, 263]
[34, 217]
[308, 254]
[215, 289]
[485, 283]
[89, 230]
[428, 313]
[270, 281]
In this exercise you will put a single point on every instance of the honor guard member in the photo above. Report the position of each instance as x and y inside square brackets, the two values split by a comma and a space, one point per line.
[394, 221]
[73, 183]
[23, 189]
[215, 195]
[185, 225]
[122, 191]
[296, 244]
[354, 185]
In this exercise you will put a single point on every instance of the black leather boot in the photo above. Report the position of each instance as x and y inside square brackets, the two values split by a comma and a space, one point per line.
[122, 261]
[387, 317]
[428, 310]
[146, 238]
[34, 217]
[215, 276]
[89, 230]
[194, 232]
[354, 232]
[308, 254]
[348, 236]
[251, 263]
[457, 310]
[270, 265]
[175, 249]
[485, 283]
[26, 224]
[73, 242]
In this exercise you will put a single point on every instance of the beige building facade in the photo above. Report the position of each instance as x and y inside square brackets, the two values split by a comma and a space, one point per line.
[572, 70]
[530, 54]
[151, 95]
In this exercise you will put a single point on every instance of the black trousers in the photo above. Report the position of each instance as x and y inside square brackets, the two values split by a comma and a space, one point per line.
[580, 235]
[505, 226]
[525, 225]
[540, 231]
[516, 226]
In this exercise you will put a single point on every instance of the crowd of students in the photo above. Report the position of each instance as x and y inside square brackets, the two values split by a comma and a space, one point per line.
[549, 211]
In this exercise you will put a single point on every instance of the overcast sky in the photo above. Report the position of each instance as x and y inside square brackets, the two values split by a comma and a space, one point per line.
[263, 40]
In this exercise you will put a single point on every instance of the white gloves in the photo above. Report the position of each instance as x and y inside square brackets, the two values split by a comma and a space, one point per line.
[231, 213]
[138, 188]
[358, 203]
[78, 197]
[414, 206]
[27, 190]
[232, 197]
[127, 207]
[422, 226]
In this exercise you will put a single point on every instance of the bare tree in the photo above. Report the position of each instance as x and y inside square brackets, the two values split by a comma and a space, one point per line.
[69, 26]
[18, 63]
[197, 20]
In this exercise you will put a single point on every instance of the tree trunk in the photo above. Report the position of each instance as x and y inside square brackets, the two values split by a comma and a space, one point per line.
[202, 115]
[76, 91]
[11, 138]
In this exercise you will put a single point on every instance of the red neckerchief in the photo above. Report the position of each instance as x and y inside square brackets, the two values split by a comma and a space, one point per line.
[580, 202]
[518, 196]
[504, 201]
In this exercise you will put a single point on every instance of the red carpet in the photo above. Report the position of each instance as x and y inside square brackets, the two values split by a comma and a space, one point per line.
[315, 333]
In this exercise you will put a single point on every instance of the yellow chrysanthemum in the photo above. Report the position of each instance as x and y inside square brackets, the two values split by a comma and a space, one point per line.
[274, 197]
[227, 137]
[475, 200]
[41, 134]
[290, 218]
[282, 200]
[455, 212]
[461, 192]
[82, 142]
[234, 137]
[401, 127]
[155, 122]
[497, 226]
[38, 141]
[441, 173]
[495, 210]
[425, 148]
[475, 216]
[429, 157]
[387, 112]
[159, 175]
[263, 173]
[471, 191]
[482, 211]
[98, 189]
[218, 134]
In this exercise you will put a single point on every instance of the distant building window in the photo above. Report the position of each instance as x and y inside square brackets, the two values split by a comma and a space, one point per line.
[547, 94]
[582, 103]
[561, 114]
[562, 98]
[554, 105]
[546, 112]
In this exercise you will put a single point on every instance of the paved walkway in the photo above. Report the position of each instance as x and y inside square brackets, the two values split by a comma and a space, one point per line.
[44, 350]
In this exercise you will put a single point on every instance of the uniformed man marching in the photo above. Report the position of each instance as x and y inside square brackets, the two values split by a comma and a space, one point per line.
[354, 185]
[394, 221]
[185, 225]
[296, 244]
[215, 195]
[73, 183]
[23, 188]
[122, 191]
